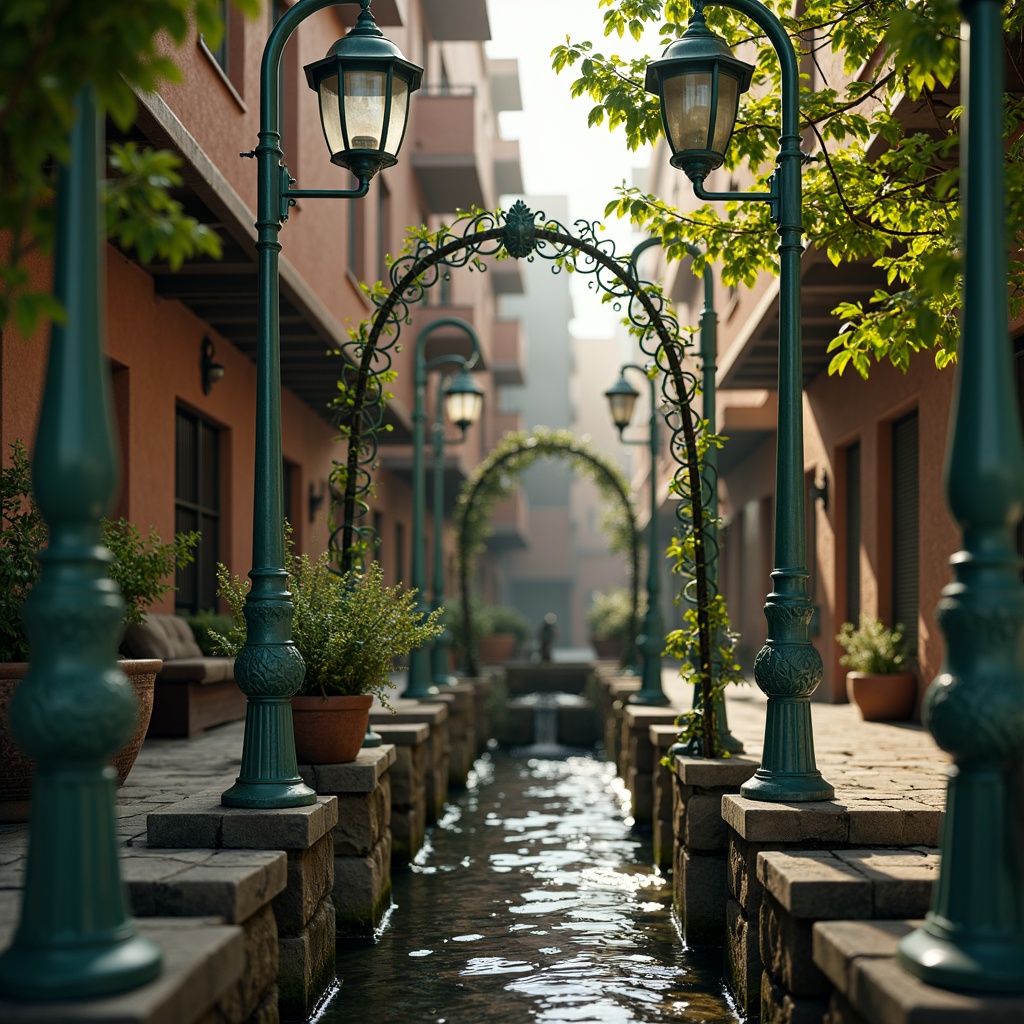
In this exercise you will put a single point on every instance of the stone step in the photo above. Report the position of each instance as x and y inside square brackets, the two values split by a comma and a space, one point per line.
[202, 959]
[840, 884]
[859, 959]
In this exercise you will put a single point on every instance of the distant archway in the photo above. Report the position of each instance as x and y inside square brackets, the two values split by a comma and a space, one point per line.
[495, 477]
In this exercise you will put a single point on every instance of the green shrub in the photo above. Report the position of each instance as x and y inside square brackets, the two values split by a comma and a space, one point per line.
[500, 618]
[609, 614]
[141, 566]
[347, 628]
[873, 648]
[206, 623]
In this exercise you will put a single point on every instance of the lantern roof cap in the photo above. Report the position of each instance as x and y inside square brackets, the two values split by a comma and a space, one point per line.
[697, 46]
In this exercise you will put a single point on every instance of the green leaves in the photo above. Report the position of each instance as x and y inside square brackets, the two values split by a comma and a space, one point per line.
[876, 190]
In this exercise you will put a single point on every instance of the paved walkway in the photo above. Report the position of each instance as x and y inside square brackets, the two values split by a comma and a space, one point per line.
[884, 764]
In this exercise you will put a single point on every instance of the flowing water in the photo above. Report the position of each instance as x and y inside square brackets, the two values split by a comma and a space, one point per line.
[531, 902]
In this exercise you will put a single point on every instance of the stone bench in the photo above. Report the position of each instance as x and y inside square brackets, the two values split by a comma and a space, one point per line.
[870, 987]
[662, 835]
[805, 886]
[361, 868]
[412, 712]
[303, 911]
[754, 827]
[408, 788]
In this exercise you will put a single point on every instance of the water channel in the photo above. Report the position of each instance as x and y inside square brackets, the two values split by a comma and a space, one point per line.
[532, 902]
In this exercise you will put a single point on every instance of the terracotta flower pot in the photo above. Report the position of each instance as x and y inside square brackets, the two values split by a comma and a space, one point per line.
[16, 767]
[882, 698]
[607, 649]
[497, 648]
[330, 730]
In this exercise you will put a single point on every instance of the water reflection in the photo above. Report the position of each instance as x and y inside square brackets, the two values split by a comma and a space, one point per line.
[533, 902]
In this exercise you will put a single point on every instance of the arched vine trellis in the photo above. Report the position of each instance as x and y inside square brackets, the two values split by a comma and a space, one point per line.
[522, 234]
[513, 454]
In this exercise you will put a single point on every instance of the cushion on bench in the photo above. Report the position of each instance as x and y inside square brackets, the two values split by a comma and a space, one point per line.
[167, 637]
[197, 670]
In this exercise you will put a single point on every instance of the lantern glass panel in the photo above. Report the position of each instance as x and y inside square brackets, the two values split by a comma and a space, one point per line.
[396, 123]
[725, 118]
[330, 114]
[464, 407]
[365, 97]
[621, 405]
[688, 110]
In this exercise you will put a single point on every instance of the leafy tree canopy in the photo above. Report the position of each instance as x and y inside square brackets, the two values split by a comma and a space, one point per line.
[872, 190]
[49, 50]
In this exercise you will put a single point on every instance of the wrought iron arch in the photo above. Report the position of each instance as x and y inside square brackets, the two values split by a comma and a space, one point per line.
[521, 450]
[523, 234]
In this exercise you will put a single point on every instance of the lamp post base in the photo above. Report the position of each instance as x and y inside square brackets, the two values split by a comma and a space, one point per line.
[784, 787]
[651, 699]
[265, 795]
[968, 966]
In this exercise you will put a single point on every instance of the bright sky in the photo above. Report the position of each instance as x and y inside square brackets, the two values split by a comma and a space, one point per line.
[560, 154]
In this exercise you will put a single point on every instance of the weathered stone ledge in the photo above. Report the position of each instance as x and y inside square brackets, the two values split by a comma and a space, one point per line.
[870, 987]
[203, 958]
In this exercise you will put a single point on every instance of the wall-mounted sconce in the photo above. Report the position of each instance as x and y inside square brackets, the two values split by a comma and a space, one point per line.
[819, 491]
[212, 371]
[316, 499]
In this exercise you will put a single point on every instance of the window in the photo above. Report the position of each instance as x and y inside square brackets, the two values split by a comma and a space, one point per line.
[399, 552]
[383, 226]
[851, 547]
[223, 54]
[905, 527]
[378, 537]
[197, 507]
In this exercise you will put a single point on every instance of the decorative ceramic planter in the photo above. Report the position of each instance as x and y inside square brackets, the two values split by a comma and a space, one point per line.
[330, 730]
[16, 767]
[883, 698]
[497, 648]
[607, 650]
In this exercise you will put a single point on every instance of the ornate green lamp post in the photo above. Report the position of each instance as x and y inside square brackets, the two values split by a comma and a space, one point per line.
[419, 685]
[460, 397]
[699, 83]
[621, 401]
[973, 938]
[75, 709]
[363, 84]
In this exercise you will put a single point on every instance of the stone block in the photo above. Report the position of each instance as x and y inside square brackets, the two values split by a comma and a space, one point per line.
[701, 897]
[744, 885]
[407, 775]
[515, 728]
[202, 960]
[703, 828]
[408, 830]
[201, 822]
[362, 819]
[781, 1007]
[716, 773]
[362, 890]
[251, 995]
[902, 881]
[359, 776]
[641, 795]
[837, 943]
[310, 880]
[786, 950]
[232, 884]
[815, 884]
[578, 725]
[307, 963]
[742, 961]
[662, 843]
[759, 821]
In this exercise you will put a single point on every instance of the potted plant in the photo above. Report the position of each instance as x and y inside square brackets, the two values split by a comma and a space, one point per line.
[141, 567]
[348, 629]
[501, 629]
[880, 681]
[609, 618]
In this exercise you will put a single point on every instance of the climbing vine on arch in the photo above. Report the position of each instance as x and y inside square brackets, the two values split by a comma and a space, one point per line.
[497, 477]
[524, 234]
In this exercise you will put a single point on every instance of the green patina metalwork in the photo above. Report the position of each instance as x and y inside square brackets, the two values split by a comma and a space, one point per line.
[75, 708]
[481, 234]
[973, 938]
